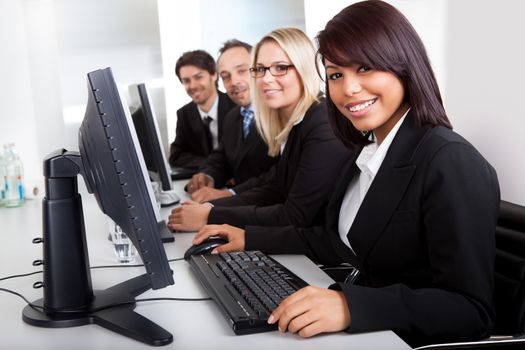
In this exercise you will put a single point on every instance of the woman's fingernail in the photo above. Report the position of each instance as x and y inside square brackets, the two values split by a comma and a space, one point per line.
[270, 319]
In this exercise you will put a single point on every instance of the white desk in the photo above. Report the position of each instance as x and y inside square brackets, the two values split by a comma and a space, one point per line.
[194, 324]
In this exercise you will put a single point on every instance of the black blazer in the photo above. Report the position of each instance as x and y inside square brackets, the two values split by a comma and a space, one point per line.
[297, 187]
[190, 148]
[236, 157]
[423, 240]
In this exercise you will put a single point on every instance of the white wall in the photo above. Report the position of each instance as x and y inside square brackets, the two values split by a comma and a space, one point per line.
[94, 34]
[18, 121]
[485, 89]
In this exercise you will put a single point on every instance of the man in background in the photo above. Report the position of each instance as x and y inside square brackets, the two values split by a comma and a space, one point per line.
[200, 123]
[242, 154]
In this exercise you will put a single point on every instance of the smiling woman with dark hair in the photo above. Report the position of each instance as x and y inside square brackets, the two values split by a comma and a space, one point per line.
[415, 212]
[387, 42]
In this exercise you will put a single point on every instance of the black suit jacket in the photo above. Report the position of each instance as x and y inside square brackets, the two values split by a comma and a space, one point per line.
[236, 157]
[423, 240]
[297, 187]
[190, 148]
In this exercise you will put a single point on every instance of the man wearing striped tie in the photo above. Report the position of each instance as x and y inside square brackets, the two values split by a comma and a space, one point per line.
[242, 154]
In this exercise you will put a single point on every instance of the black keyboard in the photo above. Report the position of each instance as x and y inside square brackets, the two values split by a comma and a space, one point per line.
[178, 173]
[247, 286]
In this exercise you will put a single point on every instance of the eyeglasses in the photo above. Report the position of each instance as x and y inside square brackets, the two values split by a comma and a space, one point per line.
[276, 70]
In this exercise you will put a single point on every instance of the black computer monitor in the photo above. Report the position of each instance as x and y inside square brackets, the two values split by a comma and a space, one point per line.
[114, 170]
[147, 129]
[148, 134]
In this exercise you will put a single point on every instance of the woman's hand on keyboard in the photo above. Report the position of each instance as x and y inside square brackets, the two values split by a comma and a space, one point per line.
[234, 235]
[312, 310]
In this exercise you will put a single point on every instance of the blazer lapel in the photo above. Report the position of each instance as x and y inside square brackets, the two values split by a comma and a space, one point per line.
[222, 110]
[240, 147]
[197, 125]
[249, 142]
[282, 164]
[387, 189]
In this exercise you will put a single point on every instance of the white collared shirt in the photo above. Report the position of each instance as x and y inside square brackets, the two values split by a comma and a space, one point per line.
[214, 125]
[369, 162]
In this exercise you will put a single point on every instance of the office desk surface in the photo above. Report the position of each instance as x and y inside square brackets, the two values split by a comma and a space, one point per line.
[194, 324]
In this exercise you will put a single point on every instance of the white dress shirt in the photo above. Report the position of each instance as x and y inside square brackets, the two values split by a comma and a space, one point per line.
[369, 162]
[214, 125]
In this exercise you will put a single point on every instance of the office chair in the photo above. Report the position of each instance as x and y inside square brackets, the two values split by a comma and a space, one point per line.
[509, 289]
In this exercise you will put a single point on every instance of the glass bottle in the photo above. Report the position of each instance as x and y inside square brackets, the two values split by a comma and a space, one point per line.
[14, 195]
[2, 180]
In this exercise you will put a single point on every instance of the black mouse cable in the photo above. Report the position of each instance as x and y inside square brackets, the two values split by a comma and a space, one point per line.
[40, 308]
[92, 267]
[21, 275]
[135, 265]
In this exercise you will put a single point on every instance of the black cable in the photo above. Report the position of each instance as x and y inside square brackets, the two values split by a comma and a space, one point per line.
[100, 308]
[22, 275]
[21, 296]
[103, 307]
[140, 300]
[173, 299]
[136, 265]
[92, 267]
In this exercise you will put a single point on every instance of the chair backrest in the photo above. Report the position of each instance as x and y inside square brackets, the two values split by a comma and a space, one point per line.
[509, 292]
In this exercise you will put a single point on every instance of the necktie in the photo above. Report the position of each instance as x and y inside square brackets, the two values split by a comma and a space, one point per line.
[248, 118]
[209, 140]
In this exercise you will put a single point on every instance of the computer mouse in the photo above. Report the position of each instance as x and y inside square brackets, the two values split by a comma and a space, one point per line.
[205, 247]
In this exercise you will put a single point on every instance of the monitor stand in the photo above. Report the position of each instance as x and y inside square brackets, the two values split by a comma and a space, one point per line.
[168, 198]
[165, 234]
[120, 319]
[69, 299]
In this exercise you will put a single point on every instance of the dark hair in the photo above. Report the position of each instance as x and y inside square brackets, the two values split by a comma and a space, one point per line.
[230, 44]
[197, 58]
[376, 34]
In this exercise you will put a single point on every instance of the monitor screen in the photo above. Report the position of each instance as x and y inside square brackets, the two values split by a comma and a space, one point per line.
[148, 133]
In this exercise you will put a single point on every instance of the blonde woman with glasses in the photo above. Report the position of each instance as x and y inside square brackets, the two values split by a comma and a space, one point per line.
[292, 120]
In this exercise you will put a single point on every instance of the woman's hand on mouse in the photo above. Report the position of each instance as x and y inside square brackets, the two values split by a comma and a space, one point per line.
[190, 216]
[234, 235]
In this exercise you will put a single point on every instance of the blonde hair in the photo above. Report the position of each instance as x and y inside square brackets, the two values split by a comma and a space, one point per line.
[301, 52]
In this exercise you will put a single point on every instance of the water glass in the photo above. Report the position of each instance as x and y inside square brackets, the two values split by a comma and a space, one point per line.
[124, 249]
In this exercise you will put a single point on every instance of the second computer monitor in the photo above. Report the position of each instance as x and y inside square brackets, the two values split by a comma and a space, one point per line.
[148, 133]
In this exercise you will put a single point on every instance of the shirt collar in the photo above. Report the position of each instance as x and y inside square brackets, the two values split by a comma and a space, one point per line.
[249, 108]
[372, 155]
[212, 113]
